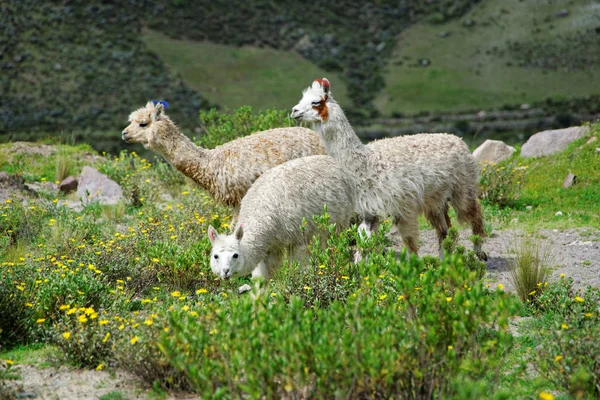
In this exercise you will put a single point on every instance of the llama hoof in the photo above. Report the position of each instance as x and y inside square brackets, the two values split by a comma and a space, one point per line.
[244, 288]
[482, 255]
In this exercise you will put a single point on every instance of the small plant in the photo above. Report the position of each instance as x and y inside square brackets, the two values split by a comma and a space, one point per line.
[500, 184]
[472, 262]
[530, 268]
[63, 166]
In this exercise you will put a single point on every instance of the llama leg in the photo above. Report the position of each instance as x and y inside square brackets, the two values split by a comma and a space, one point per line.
[261, 271]
[439, 219]
[409, 231]
[369, 225]
[472, 213]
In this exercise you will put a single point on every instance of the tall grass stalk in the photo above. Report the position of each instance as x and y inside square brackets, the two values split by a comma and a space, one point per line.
[530, 268]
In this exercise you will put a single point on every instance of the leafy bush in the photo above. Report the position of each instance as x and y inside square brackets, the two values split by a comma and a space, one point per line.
[404, 332]
[450, 246]
[500, 184]
[569, 353]
[221, 127]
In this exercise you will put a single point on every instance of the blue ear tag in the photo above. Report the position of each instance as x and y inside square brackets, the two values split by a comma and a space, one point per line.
[164, 103]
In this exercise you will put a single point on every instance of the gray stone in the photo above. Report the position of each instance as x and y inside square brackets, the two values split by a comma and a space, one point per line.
[549, 142]
[95, 186]
[569, 180]
[68, 185]
[493, 151]
[3, 176]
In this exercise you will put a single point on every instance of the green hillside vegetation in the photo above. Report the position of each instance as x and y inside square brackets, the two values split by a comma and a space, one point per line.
[235, 76]
[349, 37]
[499, 52]
[73, 67]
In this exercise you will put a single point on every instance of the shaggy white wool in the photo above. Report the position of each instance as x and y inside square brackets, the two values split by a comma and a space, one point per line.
[398, 177]
[273, 211]
[226, 171]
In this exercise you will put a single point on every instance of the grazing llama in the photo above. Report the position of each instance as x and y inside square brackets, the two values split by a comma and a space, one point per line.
[273, 211]
[399, 177]
[226, 171]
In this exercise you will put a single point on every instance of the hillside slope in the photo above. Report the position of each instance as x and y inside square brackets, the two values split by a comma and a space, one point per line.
[72, 66]
[498, 53]
[236, 76]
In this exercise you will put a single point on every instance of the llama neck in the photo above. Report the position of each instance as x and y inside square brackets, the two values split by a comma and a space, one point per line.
[339, 138]
[183, 154]
[254, 250]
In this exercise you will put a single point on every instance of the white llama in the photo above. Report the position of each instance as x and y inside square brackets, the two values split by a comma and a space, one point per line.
[273, 211]
[399, 177]
[226, 171]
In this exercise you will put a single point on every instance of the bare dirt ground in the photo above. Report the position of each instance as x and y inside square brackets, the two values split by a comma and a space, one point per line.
[574, 252]
[65, 383]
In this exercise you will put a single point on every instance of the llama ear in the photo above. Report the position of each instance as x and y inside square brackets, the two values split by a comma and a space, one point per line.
[159, 108]
[239, 232]
[212, 234]
[325, 85]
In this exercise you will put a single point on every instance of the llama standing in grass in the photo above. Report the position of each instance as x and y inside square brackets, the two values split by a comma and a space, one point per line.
[399, 177]
[273, 211]
[226, 171]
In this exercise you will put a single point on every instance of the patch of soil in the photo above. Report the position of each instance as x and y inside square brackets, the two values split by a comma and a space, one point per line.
[575, 252]
[65, 383]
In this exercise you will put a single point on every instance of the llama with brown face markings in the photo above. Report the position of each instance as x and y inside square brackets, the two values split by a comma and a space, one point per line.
[399, 177]
[226, 171]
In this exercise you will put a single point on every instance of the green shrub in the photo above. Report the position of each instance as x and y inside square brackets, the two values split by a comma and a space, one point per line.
[404, 332]
[221, 127]
[569, 352]
[500, 184]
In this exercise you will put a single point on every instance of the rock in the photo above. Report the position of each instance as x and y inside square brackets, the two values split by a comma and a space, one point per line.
[68, 185]
[553, 141]
[592, 140]
[244, 288]
[529, 208]
[562, 13]
[558, 214]
[424, 62]
[597, 150]
[493, 151]
[38, 187]
[3, 176]
[569, 180]
[444, 34]
[94, 186]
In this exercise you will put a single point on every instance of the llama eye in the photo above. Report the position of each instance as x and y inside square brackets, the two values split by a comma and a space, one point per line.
[235, 255]
[143, 125]
[216, 256]
[316, 103]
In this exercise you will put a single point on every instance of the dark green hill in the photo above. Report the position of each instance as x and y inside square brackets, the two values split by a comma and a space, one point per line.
[79, 65]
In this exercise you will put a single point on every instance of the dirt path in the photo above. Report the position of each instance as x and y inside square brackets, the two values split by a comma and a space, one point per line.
[575, 252]
[65, 383]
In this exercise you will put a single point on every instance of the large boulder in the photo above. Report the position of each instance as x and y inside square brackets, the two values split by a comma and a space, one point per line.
[95, 186]
[550, 142]
[493, 151]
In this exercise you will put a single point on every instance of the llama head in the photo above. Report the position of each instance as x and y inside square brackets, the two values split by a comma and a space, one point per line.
[144, 124]
[226, 257]
[313, 105]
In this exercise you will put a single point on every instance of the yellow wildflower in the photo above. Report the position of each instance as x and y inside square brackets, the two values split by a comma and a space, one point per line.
[134, 340]
[105, 339]
[100, 367]
[66, 335]
[103, 322]
[500, 286]
[579, 299]
[546, 396]
[558, 358]
[199, 291]
[82, 319]
[64, 307]
[448, 299]
[40, 320]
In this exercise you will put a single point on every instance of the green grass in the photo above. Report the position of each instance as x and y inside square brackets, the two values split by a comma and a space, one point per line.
[466, 71]
[236, 76]
[40, 355]
[35, 167]
[580, 204]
